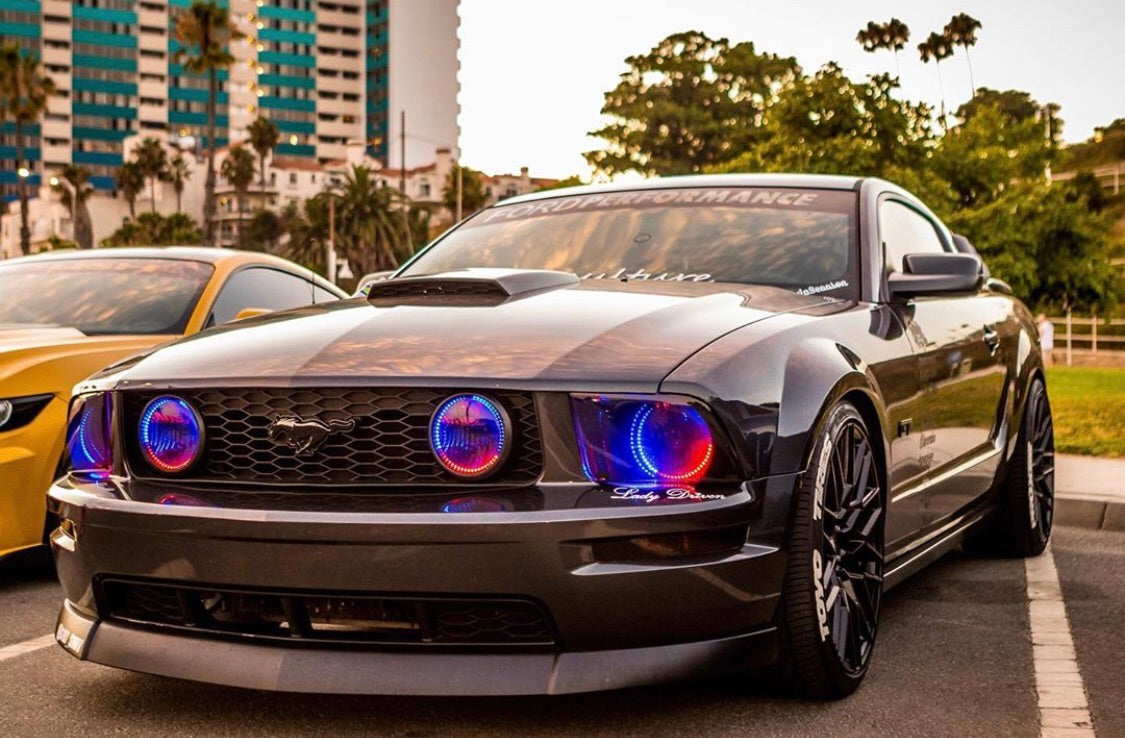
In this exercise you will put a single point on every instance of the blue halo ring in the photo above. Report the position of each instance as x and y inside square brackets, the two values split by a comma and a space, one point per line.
[154, 448]
[444, 442]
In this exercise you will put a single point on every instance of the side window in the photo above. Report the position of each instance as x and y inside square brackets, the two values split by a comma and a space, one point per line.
[261, 288]
[904, 231]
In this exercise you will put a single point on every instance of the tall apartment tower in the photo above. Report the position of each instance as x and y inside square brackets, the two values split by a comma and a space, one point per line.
[327, 72]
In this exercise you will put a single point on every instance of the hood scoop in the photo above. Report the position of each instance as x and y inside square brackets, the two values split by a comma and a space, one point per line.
[468, 287]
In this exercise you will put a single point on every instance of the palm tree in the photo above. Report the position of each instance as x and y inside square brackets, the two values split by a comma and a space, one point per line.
[891, 35]
[937, 46]
[370, 222]
[962, 31]
[264, 137]
[130, 180]
[153, 161]
[178, 174]
[238, 170]
[204, 32]
[74, 198]
[25, 89]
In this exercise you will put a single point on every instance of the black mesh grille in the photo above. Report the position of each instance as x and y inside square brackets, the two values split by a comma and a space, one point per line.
[327, 617]
[387, 445]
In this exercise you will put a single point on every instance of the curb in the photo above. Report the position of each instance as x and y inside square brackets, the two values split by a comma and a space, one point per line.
[1078, 511]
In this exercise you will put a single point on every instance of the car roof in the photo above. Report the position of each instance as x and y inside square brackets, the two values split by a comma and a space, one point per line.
[182, 253]
[810, 181]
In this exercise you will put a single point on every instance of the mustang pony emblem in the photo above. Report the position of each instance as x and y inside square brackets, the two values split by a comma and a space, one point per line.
[305, 436]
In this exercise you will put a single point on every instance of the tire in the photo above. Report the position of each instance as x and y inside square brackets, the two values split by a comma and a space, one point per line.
[1027, 494]
[834, 578]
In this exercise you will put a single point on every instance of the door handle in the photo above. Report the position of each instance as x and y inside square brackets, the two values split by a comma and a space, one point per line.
[991, 339]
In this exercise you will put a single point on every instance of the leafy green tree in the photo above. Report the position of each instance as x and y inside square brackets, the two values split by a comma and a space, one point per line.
[1048, 243]
[1106, 146]
[984, 155]
[420, 224]
[371, 223]
[962, 31]
[153, 162]
[204, 32]
[893, 35]
[573, 180]
[153, 229]
[24, 91]
[264, 231]
[937, 46]
[238, 170]
[691, 102]
[1015, 105]
[178, 174]
[130, 180]
[827, 123]
[264, 137]
[473, 196]
[74, 198]
[306, 228]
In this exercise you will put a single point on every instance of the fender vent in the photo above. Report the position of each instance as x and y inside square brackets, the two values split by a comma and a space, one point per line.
[467, 287]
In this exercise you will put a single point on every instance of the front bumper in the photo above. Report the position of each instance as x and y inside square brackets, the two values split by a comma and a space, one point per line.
[616, 623]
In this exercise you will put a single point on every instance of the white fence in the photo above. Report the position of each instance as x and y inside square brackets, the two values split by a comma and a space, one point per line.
[1111, 176]
[1094, 334]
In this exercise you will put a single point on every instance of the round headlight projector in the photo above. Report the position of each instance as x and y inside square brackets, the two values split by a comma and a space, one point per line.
[470, 435]
[171, 434]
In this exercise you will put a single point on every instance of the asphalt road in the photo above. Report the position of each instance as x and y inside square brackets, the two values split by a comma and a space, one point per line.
[954, 657]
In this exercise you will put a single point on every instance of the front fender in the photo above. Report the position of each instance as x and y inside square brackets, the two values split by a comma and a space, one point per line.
[770, 383]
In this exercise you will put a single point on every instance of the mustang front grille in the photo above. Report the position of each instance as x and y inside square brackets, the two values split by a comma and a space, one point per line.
[379, 437]
[327, 617]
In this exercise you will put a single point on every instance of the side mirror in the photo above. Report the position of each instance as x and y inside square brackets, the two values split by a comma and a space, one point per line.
[245, 313]
[936, 274]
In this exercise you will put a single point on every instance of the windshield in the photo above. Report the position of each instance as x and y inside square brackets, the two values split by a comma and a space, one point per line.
[104, 296]
[801, 239]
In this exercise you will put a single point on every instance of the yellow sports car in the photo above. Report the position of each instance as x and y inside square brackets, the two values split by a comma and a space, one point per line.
[64, 315]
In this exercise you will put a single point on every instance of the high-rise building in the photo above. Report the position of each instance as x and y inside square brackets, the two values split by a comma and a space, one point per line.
[327, 72]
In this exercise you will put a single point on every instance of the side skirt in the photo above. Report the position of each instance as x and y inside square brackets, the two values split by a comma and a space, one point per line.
[936, 545]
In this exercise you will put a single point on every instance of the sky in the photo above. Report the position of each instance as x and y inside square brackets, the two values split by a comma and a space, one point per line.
[534, 72]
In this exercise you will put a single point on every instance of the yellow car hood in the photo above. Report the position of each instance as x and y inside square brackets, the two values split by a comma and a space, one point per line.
[40, 359]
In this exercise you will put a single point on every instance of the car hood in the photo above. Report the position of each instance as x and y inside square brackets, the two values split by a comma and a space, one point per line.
[601, 332]
[37, 359]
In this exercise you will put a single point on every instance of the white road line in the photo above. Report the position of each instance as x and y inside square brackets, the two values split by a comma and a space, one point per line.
[19, 649]
[1063, 709]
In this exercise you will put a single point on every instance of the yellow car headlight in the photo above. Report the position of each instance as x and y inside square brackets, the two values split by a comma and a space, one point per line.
[16, 412]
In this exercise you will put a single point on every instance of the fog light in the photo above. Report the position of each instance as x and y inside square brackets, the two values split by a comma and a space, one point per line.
[171, 434]
[470, 435]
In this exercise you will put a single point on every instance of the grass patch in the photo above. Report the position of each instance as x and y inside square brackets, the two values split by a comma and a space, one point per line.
[1089, 409]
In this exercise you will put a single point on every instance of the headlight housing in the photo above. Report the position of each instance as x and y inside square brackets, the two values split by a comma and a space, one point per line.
[89, 435]
[16, 412]
[645, 441]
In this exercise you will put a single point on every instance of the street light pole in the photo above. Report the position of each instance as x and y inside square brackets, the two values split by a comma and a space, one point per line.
[331, 256]
[459, 191]
[57, 182]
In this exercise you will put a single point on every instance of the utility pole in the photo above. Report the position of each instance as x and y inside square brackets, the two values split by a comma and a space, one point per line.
[402, 151]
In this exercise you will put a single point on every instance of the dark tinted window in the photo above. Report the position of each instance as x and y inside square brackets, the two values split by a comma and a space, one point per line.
[802, 239]
[264, 289]
[903, 231]
[104, 296]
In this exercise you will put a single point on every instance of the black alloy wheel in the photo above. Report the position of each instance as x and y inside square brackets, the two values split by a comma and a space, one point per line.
[834, 583]
[1028, 494]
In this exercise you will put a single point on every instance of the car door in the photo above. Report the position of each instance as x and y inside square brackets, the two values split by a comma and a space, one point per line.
[960, 371]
